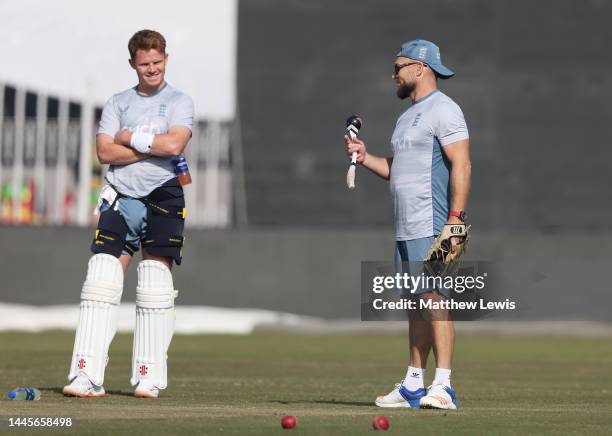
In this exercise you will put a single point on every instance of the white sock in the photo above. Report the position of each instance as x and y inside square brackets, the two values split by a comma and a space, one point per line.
[442, 377]
[414, 378]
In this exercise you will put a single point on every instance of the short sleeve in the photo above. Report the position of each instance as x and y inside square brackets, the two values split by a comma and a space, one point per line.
[182, 114]
[109, 122]
[451, 124]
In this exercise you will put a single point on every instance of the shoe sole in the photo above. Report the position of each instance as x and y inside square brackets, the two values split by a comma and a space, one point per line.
[394, 406]
[71, 393]
[143, 394]
[403, 405]
[431, 406]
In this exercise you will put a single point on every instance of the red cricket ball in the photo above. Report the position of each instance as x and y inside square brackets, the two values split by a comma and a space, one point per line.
[289, 421]
[380, 423]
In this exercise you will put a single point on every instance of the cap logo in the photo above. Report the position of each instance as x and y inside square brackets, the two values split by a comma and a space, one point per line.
[422, 52]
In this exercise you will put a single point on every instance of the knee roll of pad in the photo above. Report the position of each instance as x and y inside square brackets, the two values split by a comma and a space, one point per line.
[98, 318]
[104, 281]
[155, 289]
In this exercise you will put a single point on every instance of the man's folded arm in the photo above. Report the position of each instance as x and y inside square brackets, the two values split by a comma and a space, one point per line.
[110, 152]
[168, 144]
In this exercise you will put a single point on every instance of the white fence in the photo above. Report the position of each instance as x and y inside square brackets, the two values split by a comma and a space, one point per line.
[49, 173]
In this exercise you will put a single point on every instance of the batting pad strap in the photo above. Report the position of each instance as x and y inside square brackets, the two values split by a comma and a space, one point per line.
[104, 281]
[155, 289]
[103, 292]
[150, 300]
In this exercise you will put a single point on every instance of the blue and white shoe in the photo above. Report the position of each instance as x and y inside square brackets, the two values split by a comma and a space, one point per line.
[439, 397]
[401, 397]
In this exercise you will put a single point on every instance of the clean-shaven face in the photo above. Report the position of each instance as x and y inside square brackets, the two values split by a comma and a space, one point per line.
[150, 66]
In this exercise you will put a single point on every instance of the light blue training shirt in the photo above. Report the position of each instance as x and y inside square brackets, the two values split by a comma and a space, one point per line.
[420, 173]
[155, 114]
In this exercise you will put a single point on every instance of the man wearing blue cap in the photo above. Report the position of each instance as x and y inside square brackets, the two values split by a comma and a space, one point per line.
[429, 172]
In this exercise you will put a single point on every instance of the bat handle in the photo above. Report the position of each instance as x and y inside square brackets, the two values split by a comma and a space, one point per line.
[350, 175]
[354, 155]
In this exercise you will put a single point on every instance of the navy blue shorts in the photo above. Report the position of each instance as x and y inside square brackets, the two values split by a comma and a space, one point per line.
[155, 223]
[409, 257]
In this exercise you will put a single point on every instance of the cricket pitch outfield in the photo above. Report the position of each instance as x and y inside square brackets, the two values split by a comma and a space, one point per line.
[245, 384]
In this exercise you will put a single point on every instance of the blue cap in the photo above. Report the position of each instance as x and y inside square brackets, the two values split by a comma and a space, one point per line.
[428, 53]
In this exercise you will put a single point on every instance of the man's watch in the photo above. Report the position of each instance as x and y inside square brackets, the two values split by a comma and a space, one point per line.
[459, 214]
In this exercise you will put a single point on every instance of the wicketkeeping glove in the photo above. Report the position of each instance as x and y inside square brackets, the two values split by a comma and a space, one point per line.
[441, 252]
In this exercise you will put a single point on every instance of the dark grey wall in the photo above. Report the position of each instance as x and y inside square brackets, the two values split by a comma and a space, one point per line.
[532, 78]
[311, 272]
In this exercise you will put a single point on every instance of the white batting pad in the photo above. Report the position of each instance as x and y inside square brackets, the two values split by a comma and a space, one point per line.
[154, 323]
[97, 326]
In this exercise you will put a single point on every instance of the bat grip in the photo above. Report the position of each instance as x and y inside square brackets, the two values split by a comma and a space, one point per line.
[352, 136]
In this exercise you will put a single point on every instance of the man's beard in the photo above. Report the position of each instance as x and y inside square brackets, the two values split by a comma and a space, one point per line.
[404, 91]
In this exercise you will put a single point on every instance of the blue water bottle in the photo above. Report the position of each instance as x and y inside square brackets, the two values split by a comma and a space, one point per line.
[182, 170]
[27, 394]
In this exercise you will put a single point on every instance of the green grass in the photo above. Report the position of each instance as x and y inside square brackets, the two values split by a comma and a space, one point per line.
[245, 384]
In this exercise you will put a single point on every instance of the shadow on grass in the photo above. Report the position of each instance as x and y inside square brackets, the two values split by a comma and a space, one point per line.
[332, 402]
[55, 390]
[122, 393]
[58, 390]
